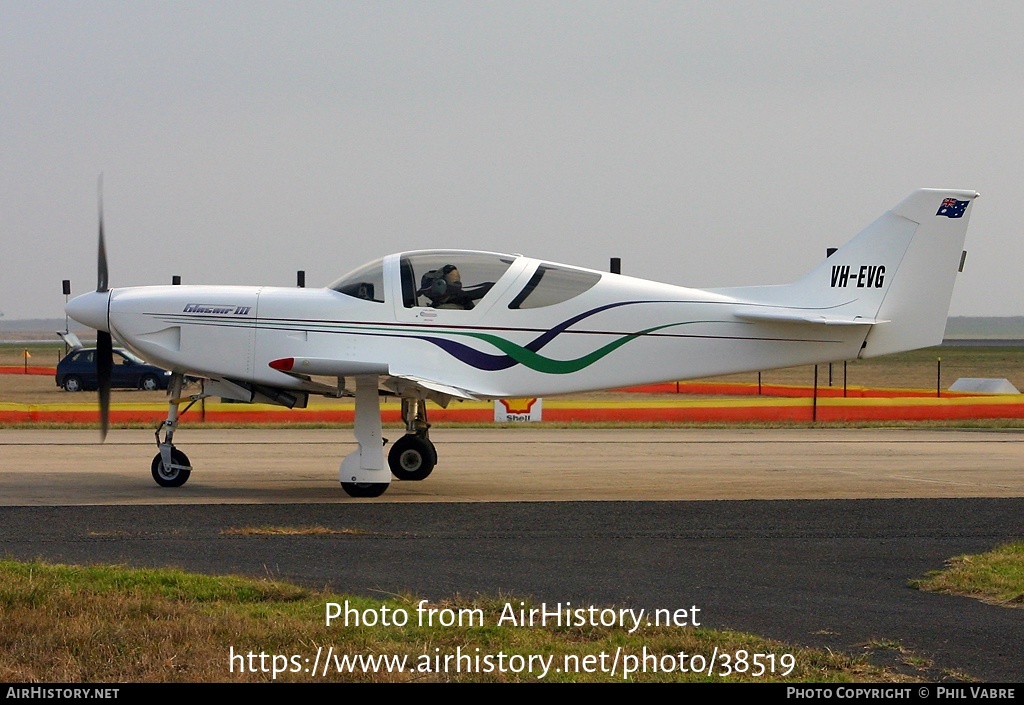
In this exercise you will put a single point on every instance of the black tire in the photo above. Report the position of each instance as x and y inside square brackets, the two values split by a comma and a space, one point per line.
[149, 383]
[73, 383]
[412, 458]
[172, 478]
[364, 489]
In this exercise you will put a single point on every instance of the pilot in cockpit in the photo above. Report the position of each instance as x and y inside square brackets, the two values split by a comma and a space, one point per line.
[443, 287]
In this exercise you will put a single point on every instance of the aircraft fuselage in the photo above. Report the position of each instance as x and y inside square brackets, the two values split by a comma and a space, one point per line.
[622, 331]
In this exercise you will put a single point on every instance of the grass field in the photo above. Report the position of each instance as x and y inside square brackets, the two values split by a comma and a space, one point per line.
[996, 577]
[65, 624]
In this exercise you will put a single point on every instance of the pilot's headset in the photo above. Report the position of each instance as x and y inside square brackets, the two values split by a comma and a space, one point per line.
[433, 284]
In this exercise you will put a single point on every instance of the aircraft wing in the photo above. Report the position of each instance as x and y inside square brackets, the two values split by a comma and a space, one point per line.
[437, 387]
[395, 380]
[797, 315]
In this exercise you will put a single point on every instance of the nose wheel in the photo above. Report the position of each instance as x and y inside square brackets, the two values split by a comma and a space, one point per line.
[173, 474]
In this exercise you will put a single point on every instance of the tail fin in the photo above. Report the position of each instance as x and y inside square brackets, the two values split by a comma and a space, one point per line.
[917, 301]
[896, 275]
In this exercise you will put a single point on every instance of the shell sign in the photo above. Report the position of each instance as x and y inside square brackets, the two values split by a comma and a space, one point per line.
[516, 410]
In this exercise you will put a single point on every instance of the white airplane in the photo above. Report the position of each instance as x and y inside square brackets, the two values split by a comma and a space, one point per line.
[455, 324]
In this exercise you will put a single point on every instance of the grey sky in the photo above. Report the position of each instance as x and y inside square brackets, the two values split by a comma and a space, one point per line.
[705, 143]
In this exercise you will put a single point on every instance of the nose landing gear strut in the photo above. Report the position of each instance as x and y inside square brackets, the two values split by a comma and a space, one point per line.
[171, 467]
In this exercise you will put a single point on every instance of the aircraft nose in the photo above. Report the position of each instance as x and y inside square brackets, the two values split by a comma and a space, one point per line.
[90, 309]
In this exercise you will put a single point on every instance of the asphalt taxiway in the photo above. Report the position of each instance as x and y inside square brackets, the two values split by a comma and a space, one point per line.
[805, 536]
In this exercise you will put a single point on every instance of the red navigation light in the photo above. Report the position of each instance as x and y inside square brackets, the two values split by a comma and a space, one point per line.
[285, 364]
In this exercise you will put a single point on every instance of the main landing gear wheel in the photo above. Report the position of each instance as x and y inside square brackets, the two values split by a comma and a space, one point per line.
[364, 489]
[171, 477]
[412, 458]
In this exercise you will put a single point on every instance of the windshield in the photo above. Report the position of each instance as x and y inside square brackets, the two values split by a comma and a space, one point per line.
[365, 283]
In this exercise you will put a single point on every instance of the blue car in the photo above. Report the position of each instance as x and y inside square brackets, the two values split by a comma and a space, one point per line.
[77, 372]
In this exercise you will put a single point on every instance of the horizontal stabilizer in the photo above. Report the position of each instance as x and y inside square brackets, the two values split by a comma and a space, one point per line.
[793, 315]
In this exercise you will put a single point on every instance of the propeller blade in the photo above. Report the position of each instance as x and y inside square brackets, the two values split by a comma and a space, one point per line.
[104, 370]
[101, 264]
[104, 343]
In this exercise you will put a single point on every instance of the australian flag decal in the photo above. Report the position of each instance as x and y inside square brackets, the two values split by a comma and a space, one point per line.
[952, 208]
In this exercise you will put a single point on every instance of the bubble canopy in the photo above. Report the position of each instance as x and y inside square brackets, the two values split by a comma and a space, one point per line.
[459, 279]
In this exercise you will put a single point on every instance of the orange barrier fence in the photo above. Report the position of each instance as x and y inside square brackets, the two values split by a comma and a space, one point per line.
[30, 370]
[782, 390]
[674, 411]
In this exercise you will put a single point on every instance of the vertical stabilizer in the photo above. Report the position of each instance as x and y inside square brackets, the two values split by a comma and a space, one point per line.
[916, 303]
